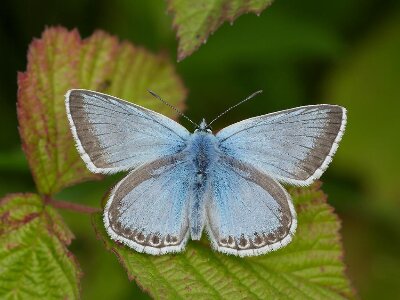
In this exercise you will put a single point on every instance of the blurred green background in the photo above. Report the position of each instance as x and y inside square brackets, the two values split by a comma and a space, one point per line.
[345, 52]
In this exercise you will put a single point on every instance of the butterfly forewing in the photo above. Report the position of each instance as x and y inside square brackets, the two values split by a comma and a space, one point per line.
[294, 146]
[248, 212]
[114, 135]
[148, 209]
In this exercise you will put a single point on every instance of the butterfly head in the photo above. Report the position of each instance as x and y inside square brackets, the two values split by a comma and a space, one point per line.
[203, 127]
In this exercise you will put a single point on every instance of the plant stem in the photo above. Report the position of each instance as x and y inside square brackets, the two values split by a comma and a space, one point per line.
[72, 206]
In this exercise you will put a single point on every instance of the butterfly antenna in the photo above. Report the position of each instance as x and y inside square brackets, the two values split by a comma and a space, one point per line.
[173, 107]
[232, 107]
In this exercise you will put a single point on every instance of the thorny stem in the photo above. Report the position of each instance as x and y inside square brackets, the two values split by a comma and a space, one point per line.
[80, 208]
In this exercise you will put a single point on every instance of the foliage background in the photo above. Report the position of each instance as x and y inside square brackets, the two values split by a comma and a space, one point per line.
[298, 52]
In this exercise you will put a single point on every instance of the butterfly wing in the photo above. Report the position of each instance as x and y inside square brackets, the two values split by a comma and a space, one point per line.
[114, 135]
[294, 146]
[148, 209]
[248, 212]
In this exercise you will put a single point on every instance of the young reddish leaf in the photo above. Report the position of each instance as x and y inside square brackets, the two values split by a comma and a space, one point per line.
[310, 267]
[34, 260]
[61, 60]
[194, 21]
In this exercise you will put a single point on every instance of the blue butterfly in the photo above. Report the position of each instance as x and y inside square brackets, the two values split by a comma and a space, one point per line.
[180, 182]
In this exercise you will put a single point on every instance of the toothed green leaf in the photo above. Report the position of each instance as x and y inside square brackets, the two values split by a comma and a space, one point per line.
[61, 60]
[194, 21]
[310, 267]
[34, 260]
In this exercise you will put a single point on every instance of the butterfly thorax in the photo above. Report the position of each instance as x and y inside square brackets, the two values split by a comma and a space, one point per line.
[202, 149]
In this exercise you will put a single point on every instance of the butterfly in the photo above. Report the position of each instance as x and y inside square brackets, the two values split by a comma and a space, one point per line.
[180, 183]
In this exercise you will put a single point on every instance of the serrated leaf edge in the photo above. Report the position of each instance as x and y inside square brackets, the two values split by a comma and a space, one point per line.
[203, 38]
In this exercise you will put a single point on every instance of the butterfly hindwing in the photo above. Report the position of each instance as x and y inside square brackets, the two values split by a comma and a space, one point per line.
[294, 146]
[114, 135]
[148, 209]
[248, 212]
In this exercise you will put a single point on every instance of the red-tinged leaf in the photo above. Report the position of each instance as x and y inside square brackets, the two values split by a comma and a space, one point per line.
[34, 260]
[61, 60]
[194, 21]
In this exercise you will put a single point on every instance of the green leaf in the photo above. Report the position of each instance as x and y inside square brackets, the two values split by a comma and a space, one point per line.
[34, 260]
[194, 21]
[310, 267]
[61, 60]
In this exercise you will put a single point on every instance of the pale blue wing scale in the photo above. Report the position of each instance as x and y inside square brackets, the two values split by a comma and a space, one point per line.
[248, 212]
[114, 135]
[294, 146]
[148, 209]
